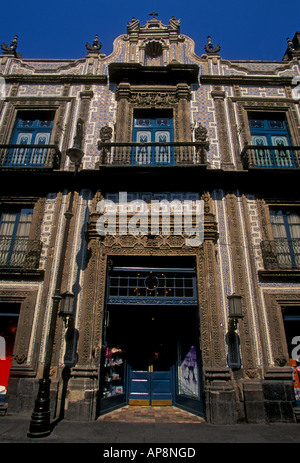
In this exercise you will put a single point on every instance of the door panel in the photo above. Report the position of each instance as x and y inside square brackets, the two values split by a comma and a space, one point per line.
[139, 387]
[161, 388]
[150, 388]
[155, 130]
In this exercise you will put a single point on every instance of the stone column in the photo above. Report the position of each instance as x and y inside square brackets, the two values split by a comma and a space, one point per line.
[220, 400]
[83, 384]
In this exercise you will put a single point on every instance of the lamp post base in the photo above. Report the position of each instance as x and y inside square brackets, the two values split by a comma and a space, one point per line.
[40, 418]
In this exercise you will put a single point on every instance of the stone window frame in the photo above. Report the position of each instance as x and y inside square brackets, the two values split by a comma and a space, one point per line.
[38, 206]
[175, 98]
[21, 365]
[246, 105]
[264, 206]
[275, 302]
[59, 105]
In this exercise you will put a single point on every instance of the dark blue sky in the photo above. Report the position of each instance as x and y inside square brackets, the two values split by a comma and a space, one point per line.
[60, 28]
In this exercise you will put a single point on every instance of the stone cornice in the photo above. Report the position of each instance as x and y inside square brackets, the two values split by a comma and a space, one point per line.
[135, 73]
[246, 80]
[56, 79]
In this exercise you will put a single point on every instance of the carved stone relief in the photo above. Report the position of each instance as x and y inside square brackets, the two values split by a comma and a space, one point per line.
[275, 303]
[240, 282]
[101, 249]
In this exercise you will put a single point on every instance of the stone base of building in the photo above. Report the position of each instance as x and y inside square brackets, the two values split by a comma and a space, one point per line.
[227, 402]
[279, 395]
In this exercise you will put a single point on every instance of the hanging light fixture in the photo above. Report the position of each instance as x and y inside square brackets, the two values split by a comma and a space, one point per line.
[67, 307]
[235, 311]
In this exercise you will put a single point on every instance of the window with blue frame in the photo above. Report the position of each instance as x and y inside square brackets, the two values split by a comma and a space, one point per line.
[14, 234]
[31, 128]
[286, 232]
[153, 127]
[268, 131]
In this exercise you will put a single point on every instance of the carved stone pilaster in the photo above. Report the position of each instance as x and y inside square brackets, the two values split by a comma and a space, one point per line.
[210, 224]
[241, 286]
[89, 303]
[123, 121]
[219, 97]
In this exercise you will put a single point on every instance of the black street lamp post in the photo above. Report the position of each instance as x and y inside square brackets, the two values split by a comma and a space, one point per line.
[40, 425]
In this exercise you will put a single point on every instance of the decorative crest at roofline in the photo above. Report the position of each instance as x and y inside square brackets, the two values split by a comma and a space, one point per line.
[12, 49]
[293, 48]
[95, 47]
[210, 49]
[153, 26]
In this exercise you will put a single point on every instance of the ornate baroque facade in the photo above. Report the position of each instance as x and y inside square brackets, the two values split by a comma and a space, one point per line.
[203, 118]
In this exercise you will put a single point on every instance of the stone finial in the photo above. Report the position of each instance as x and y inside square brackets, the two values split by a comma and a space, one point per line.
[201, 134]
[106, 133]
[290, 44]
[12, 49]
[95, 47]
[153, 14]
[210, 49]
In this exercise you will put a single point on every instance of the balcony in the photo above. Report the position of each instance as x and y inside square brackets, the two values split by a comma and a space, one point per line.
[281, 254]
[270, 157]
[29, 156]
[153, 154]
[19, 253]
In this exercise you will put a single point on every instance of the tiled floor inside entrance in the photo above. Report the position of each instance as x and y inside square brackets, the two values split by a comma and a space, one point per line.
[136, 414]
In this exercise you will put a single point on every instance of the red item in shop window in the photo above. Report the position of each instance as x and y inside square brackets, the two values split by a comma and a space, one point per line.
[4, 371]
[294, 364]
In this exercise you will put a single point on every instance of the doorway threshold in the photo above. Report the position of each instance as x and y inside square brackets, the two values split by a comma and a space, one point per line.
[154, 403]
[148, 414]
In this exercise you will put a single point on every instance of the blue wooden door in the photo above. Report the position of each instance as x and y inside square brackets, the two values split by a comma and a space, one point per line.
[269, 132]
[150, 387]
[30, 129]
[151, 362]
[153, 130]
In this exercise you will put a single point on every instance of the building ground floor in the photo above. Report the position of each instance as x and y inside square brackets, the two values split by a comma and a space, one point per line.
[151, 327]
[160, 346]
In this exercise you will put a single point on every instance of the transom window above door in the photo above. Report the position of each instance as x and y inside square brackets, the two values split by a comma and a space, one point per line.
[133, 285]
[156, 129]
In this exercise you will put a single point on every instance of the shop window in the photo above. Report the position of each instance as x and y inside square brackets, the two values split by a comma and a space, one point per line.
[9, 313]
[286, 233]
[268, 131]
[31, 128]
[14, 233]
[291, 318]
[153, 127]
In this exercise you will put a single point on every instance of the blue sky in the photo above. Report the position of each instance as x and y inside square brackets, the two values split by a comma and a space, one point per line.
[60, 28]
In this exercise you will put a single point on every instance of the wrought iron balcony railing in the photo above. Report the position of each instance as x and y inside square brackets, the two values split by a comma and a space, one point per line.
[30, 156]
[19, 253]
[271, 157]
[281, 254]
[153, 154]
